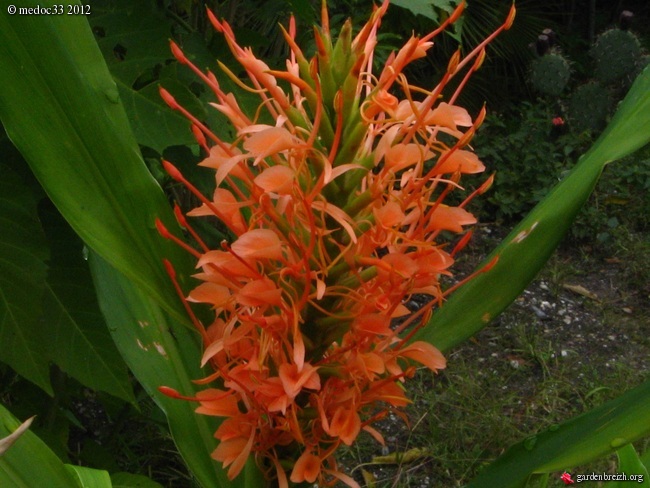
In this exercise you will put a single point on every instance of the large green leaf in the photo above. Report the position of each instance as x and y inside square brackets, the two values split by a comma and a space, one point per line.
[29, 463]
[23, 251]
[162, 354]
[579, 441]
[133, 36]
[525, 250]
[72, 325]
[90, 478]
[55, 320]
[62, 110]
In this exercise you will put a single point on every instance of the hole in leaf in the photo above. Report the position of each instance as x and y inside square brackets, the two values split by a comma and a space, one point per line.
[119, 51]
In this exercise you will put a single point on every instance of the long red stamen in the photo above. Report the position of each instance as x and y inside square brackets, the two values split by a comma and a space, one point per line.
[200, 138]
[162, 230]
[455, 15]
[195, 321]
[183, 222]
[173, 104]
[462, 243]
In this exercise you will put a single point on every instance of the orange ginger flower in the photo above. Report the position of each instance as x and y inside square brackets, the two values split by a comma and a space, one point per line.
[334, 199]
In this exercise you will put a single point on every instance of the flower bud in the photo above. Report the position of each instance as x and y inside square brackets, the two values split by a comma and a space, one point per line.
[479, 60]
[453, 62]
[178, 54]
[168, 98]
[455, 15]
[511, 17]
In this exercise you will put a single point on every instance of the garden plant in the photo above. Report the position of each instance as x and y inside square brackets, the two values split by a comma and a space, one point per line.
[264, 311]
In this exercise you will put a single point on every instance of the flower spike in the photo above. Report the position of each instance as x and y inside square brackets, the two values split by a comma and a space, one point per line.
[331, 198]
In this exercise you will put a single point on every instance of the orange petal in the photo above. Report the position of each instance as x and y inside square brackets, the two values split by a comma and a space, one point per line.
[389, 215]
[375, 434]
[372, 323]
[227, 451]
[270, 141]
[236, 426]
[388, 392]
[216, 295]
[373, 362]
[230, 108]
[294, 381]
[450, 218]
[229, 207]
[399, 263]
[434, 262]
[460, 160]
[235, 453]
[449, 116]
[337, 214]
[307, 468]
[426, 354]
[345, 424]
[217, 402]
[212, 350]
[225, 163]
[348, 480]
[260, 292]
[217, 262]
[402, 156]
[276, 179]
[258, 243]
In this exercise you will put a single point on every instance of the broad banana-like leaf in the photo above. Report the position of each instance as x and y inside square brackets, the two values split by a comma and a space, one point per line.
[29, 463]
[62, 110]
[50, 313]
[72, 326]
[578, 441]
[90, 478]
[23, 251]
[527, 248]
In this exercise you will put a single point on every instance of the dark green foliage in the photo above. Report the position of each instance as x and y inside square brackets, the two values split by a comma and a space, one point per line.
[531, 146]
[588, 107]
[521, 146]
[529, 154]
[549, 74]
[597, 83]
[620, 203]
[617, 54]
